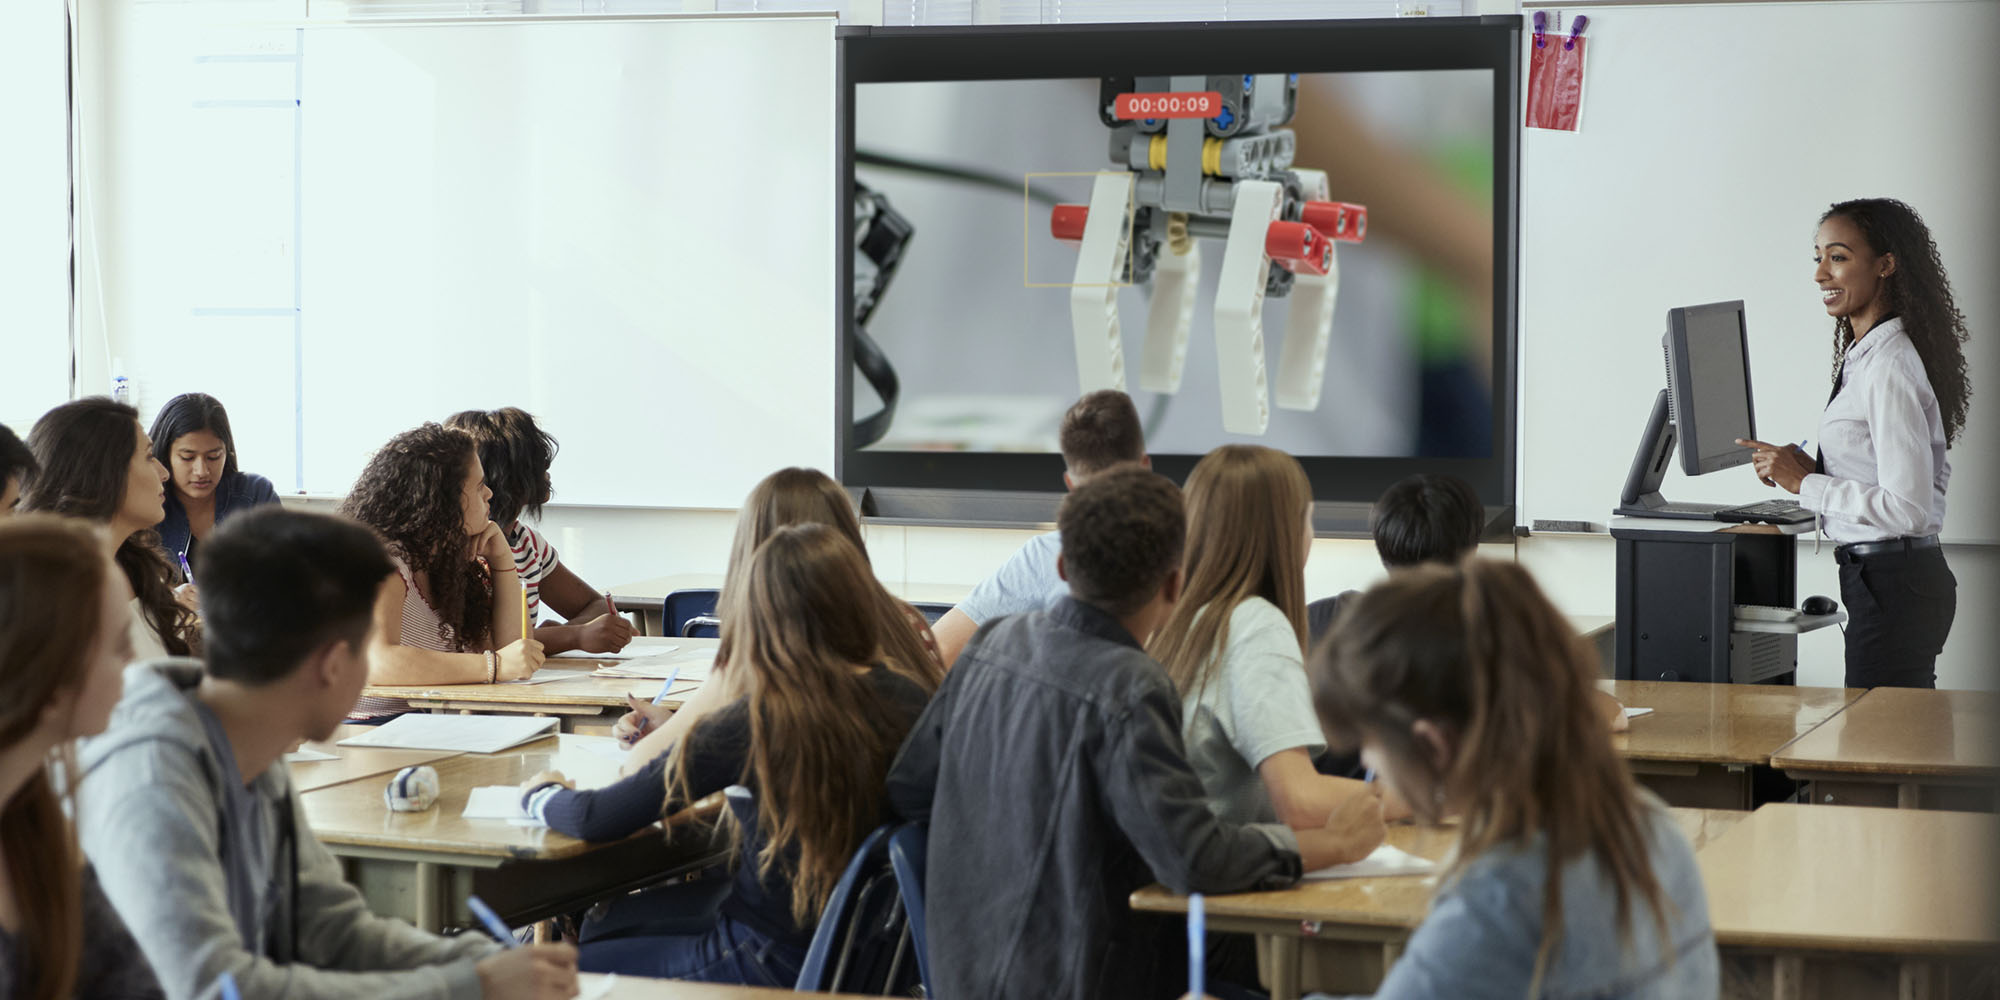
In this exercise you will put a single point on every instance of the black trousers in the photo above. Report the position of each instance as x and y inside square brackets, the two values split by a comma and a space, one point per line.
[1899, 611]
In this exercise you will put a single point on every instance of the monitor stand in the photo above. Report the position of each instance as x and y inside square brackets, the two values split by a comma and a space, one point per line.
[1641, 497]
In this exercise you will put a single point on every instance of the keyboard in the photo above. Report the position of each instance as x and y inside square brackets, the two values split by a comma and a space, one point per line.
[1767, 511]
[1764, 613]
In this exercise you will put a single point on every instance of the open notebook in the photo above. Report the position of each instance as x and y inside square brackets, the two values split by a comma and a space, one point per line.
[460, 733]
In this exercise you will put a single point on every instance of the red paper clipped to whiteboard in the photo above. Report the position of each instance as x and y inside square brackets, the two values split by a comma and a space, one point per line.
[1555, 79]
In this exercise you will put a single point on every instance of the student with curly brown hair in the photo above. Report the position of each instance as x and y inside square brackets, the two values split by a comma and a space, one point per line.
[453, 615]
[516, 454]
[1900, 394]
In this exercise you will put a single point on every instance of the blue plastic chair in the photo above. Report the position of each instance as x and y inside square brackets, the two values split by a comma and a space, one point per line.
[908, 854]
[931, 610]
[863, 934]
[683, 605]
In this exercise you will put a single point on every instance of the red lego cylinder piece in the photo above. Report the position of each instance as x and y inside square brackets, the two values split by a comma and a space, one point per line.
[1339, 220]
[1066, 222]
[1298, 247]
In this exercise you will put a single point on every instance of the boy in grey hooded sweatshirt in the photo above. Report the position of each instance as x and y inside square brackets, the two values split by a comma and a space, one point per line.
[189, 812]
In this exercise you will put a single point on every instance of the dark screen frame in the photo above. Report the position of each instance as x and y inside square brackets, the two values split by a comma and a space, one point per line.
[1011, 490]
[1681, 379]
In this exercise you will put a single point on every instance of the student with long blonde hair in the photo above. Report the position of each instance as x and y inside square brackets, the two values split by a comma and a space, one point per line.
[811, 735]
[786, 497]
[1467, 692]
[1234, 645]
[63, 642]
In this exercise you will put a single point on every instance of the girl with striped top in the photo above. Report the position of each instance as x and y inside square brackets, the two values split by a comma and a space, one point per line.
[452, 613]
[516, 454]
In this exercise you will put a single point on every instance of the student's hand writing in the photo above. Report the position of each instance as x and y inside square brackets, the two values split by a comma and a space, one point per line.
[520, 659]
[538, 972]
[606, 633]
[1784, 466]
[1357, 826]
[188, 597]
[543, 777]
[642, 719]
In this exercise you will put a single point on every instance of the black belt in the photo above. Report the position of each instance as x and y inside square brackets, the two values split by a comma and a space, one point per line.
[1853, 551]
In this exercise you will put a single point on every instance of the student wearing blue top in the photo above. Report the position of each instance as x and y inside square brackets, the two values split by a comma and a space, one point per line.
[815, 717]
[191, 438]
[17, 467]
[1900, 395]
[1100, 431]
[1467, 693]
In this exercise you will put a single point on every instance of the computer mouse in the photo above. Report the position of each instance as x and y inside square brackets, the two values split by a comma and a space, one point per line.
[1819, 605]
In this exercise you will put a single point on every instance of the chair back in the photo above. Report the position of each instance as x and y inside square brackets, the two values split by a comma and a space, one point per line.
[862, 944]
[682, 605]
[909, 850]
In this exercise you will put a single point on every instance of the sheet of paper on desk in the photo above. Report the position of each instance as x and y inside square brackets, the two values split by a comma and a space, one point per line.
[1633, 713]
[460, 733]
[304, 755]
[640, 646]
[1385, 860]
[596, 987]
[547, 674]
[498, 802]
[691, 664]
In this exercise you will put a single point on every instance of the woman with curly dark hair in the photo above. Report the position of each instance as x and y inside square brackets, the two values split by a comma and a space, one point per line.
[452, 614]
[1900, 392]
[516, 454]
[97, 464]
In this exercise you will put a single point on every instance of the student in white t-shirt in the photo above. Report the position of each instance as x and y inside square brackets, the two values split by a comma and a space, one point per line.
[516, 454]
[1100, 431]
[1235, 644]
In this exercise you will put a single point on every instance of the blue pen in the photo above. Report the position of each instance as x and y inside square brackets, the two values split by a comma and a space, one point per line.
[187, 572]
[668, 686]
[227, 984]
[494, 925]
[1197, 947]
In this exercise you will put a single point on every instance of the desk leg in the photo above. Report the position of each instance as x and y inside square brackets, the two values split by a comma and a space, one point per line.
[429, 897]
[1915, 981]
[1788, 977]
[1284, 967]
[1907, 796]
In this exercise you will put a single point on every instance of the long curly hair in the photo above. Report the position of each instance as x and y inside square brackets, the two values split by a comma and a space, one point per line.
[85, 450]
[409, 494]
[1919, 291]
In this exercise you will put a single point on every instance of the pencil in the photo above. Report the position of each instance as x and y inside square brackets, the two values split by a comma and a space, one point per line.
[609, 607]
[524, 612]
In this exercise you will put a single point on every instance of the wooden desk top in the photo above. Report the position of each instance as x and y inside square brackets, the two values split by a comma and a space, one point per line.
[647, 594]
[355, 762]
[593, 694]
[1393, 901]
[1903, 731]
[1720, 723]
[636, 988]
[1855, 878]
[353, 815]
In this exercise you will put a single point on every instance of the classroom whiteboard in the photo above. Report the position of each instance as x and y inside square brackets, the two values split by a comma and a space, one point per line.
[1712, 138]
[624, 225]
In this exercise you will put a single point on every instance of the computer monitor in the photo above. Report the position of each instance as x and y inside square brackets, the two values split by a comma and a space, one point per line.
[1708, 385]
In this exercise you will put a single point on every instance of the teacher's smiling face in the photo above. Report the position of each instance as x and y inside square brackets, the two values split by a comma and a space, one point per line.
[1852, 277]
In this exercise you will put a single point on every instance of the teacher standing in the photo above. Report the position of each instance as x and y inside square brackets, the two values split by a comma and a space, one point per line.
[1899, 399]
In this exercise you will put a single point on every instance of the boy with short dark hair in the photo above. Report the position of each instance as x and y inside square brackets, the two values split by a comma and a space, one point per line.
[1100, 431]
[1050, 769]
[188, 812]
[1425, 518]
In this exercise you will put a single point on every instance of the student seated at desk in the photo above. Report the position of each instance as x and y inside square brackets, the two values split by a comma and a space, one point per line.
[516, 454]
[786, 497]
[188, 810]
[17, 469]
[1429, 519]
[1468, 695]
[63, 642]
[1051, 771]
[453, 613]
[1234, 643]
[1100, 431]
[97, 464]
[811, 736]
[191, 438]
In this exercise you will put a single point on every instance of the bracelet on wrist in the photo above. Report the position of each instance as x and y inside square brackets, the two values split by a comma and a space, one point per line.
[492, 667]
